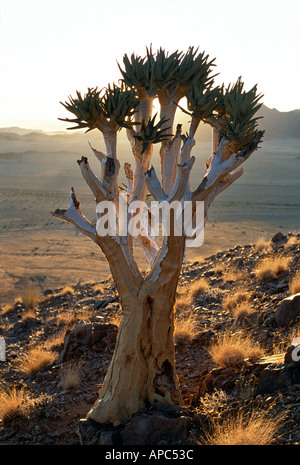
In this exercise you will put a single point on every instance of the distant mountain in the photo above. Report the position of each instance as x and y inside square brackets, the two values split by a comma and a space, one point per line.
[277, 125]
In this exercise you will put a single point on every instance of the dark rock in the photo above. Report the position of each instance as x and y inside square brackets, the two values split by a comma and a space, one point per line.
[282, 377]
[278, 237]
[151, 429]
[250, 320]
[204, 338]
[157, 424]
[95, 336]
[288, 310]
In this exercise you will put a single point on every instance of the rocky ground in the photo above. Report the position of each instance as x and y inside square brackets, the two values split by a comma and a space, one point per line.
[80, 326]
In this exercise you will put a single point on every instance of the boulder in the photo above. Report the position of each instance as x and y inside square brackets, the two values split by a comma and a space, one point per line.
[157, 424]
[278, 237]
[288, 311]
[86, 337]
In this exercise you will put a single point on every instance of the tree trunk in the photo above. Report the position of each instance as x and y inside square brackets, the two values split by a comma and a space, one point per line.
[143, 365]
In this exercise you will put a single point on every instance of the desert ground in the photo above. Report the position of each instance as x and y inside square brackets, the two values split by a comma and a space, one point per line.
[36, 174]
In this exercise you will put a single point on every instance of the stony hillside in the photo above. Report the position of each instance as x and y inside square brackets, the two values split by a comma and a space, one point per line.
[59, 346]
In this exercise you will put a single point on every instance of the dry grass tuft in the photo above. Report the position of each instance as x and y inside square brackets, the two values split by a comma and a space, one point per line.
[67, 290]
[30, 298]
[258, 428]
[198, 287]
[8, 308]
[271, 267]
[242, 310]
[233, 274]
[13, 403]
[185, 328]
[233, 350]
[293, 240]
[232, 301]
[220, 268]
[99, 288]
[27, 315]
[35, 360]
[70, 376]
[262, 245]
[295, 284]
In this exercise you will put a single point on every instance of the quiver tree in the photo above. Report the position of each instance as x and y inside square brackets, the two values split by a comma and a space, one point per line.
[143, 365]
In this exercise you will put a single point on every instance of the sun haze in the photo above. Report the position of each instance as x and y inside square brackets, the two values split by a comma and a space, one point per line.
[51, 49]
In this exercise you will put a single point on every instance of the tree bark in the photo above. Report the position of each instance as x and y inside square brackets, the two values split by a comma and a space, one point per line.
[143, 365]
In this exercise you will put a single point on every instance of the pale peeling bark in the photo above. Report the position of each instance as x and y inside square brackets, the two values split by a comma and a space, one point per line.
[142, 369]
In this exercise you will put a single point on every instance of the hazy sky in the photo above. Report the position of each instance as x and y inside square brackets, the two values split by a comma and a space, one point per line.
[49, 49]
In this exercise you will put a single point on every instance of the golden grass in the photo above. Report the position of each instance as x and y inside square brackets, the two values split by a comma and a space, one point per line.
[262, 244]
[293, 240]
[185, 328]
[271, 267]
[295, 284]
[70, 376]
[258, 428]
[231, 301]
[13, 403]
[7, 309]
[67, 290]
[220, 268]
[99, 288]
[35, 360]
[28, 314]
[242, 309]
[232, 350]
[197, 288]
[183, 303]
[30, 298]
[233, 274]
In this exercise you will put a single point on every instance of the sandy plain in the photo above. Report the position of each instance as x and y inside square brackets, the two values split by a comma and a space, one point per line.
[39, 250]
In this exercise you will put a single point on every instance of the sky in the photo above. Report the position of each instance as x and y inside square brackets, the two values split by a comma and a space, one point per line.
[50, 49]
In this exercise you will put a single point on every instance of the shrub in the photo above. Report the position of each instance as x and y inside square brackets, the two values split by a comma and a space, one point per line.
[262, 244]
[35, 360]
[271, 267]
[30, 298]
[231, 301]
[185, 328]
[232, 350]
[70, 376]
[257, 428]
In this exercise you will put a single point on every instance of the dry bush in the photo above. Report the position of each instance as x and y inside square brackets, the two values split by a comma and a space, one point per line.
[242, 309]
[295, 284]
[99, 288]
[271, 267]
[183, 303]
[233, 274]
[70, 376]
[27, 315]
[197, 288]
[185, 328]
[13, 403]
[293, 240]
[30, 298]
[220, 268]
[232, 350]
[35, 360]
[262, 244]
[67, 290]
[18, 403]
[257, 428]
[7, 309]
[231, 301]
